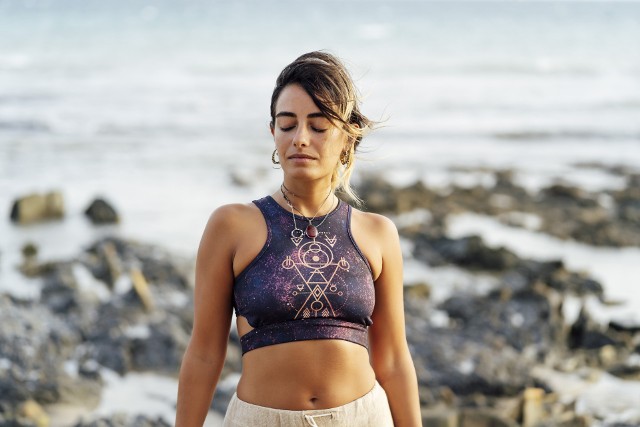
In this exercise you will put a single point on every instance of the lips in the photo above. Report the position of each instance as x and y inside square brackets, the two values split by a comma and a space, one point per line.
[301, 156]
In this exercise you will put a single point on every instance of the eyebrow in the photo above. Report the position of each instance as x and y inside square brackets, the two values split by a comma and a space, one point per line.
[290, 114]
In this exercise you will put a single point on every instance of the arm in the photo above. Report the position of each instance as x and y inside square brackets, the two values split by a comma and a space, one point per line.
[205, 355]
[389, 352]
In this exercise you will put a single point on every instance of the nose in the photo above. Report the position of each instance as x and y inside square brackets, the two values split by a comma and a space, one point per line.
[301, 137]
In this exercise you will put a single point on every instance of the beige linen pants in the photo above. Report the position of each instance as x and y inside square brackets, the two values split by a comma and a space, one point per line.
[371, 410]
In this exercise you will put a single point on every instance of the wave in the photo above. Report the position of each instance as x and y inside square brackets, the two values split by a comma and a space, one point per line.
[420, 135]
[539, 67]
[25, 98]
[24, 126]
[537, 135]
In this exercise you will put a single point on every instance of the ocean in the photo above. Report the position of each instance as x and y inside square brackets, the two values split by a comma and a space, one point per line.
[162, 107]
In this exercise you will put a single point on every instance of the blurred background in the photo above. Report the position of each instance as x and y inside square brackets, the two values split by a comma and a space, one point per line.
[162, 108]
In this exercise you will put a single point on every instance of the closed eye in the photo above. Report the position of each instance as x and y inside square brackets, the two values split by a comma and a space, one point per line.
[287, 129]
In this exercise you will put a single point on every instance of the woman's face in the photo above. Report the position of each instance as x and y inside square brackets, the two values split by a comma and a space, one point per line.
[308, 145]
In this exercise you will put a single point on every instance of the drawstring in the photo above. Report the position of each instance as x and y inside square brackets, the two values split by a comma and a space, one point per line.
[312, 422]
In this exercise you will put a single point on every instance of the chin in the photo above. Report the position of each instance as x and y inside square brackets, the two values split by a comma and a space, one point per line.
[302, 174]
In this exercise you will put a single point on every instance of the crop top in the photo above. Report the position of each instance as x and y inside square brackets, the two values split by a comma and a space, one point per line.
[302, 288]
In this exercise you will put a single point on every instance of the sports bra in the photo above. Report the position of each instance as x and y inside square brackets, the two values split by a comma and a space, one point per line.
[300, 288]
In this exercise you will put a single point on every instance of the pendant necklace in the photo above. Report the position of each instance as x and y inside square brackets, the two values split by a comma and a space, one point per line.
[311, 230]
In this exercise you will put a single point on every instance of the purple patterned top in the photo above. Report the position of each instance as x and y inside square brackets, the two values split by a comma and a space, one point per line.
[301, 288]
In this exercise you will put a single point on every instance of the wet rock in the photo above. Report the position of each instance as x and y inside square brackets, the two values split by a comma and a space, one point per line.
[524, 319]
[34, 344]
[567, 194]
[101, 212]
[573, 282]
[123, 337]
[378, 194]
[562, 210]
[60, 289]
[38, 207]
[163, 349]
[585, 333]
[468, 364]
[109, 257]
[628, 327]
[627, 372]
[469, 252]
[123, 420]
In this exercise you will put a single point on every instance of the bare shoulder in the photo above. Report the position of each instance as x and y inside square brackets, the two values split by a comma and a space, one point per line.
[234, 213]
[228, 220]
[380, 224]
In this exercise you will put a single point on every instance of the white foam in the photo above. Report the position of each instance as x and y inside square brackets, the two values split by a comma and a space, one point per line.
[601, 395]
[147, 394]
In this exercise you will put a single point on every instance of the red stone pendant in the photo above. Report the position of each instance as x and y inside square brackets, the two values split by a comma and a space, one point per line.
[312, 231]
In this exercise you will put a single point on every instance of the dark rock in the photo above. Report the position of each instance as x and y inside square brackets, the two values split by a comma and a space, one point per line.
[467, 364]
[523, 319]
[378, 194]
[59, 291]
[595, 339]
[30, 250]
[585, 334]
[469, 252]
[576, 283]
[158, 266]
[567, 212]
[163, 349]
[566, 194]
[123, 420]
[627, 372]
[627, 327]
[101, 212]
[113, 354]
[162, 270]
[33, 345]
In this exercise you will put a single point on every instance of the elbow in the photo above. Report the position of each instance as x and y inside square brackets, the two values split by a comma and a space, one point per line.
[394, 366]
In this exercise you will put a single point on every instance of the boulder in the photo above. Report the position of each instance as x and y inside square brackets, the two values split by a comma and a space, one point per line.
[38, 207]
[101, 212]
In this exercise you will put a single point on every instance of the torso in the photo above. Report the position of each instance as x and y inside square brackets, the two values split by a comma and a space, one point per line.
[312, 374]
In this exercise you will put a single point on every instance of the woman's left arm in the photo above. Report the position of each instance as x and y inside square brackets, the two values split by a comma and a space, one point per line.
[389, 351]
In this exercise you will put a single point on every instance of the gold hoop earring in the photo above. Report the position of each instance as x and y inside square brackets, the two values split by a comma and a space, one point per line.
[273, 157]
[345, 158]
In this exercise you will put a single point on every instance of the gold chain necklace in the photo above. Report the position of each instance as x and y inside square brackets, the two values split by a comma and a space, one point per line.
[311, 230]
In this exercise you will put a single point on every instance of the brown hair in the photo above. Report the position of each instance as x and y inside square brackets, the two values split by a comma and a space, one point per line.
[327, 81]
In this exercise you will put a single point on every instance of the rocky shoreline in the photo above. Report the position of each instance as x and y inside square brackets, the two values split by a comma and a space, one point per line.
[483, 358]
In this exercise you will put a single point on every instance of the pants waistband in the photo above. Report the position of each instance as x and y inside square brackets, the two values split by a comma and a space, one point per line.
[311, 414]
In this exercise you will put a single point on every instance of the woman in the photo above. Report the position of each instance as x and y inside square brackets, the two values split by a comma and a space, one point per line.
[316, 285]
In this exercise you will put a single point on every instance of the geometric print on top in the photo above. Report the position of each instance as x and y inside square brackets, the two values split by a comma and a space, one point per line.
[317, 275]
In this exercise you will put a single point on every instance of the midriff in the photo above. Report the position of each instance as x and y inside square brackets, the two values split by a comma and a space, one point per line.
[304, 375]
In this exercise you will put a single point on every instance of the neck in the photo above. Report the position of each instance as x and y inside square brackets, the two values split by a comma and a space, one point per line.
[308, 199]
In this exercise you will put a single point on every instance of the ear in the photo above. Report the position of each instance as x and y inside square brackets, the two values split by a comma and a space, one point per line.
[272, 129]
[349, 140]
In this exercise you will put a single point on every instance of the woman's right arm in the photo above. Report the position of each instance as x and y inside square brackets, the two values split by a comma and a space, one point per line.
[205, 355]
